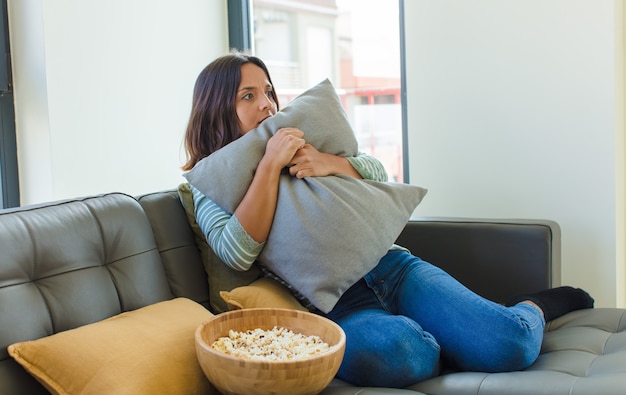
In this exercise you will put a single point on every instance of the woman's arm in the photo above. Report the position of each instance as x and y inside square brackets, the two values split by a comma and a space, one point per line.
[224, 233]
[368, 167]
[256, 210]
[239, 238]
[309, 162]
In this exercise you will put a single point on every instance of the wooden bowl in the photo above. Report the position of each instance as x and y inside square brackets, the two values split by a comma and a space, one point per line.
[232, 375]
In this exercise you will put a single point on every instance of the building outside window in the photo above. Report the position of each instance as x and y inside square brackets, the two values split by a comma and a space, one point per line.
[356, 45]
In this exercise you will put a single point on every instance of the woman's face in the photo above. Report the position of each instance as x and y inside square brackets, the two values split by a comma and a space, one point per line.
[255, 98]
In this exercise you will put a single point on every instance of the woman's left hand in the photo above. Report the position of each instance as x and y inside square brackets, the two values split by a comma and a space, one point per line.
[309, 162]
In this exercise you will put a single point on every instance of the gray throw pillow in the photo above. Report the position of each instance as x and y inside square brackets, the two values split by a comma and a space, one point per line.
[328, 231]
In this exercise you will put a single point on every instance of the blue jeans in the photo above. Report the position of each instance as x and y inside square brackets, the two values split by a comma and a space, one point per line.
[406, 315]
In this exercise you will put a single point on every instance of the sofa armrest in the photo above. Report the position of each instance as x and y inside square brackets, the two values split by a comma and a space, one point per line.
[494, 258]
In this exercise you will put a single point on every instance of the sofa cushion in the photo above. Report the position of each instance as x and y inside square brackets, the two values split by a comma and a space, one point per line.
[74, 262]
[219, 275]
[583, 352]
[146, 351]
[264, 292]
[328, 231]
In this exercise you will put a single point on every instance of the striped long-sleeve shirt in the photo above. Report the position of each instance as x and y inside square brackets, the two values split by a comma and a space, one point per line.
[227, 237]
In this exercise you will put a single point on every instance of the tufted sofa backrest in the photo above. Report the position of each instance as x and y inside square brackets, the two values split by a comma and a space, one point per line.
[71, 263]
[177, 245]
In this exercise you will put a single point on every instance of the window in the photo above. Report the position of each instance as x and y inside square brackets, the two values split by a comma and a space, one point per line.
[9, 185]
[357, 47]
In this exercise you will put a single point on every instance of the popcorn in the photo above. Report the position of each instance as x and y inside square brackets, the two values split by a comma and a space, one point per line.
[277, 344]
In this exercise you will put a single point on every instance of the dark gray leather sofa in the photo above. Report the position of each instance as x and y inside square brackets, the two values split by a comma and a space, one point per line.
[69, 263]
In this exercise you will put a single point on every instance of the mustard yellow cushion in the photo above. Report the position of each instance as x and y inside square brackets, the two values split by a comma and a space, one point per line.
[264, 292]
[146, 351]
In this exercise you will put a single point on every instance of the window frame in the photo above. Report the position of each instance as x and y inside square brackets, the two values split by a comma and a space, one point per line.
[9, 177]
[240, 25]
[240, 38]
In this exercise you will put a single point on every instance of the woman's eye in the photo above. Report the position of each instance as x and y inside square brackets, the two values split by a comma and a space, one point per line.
[247, 96]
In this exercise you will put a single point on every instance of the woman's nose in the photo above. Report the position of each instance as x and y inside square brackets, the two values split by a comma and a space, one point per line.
[266, 102]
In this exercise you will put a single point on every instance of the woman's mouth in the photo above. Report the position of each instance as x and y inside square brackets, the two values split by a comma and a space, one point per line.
[261, 121]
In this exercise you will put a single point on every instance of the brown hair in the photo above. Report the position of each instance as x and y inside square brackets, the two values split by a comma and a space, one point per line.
[213, 122]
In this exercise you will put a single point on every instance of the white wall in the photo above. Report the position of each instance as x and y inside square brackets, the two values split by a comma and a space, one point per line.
[103, 91]
[515, 110]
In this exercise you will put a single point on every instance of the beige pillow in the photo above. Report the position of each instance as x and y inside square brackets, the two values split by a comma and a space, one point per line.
[146, 351]
[264, 292]
[219, 275]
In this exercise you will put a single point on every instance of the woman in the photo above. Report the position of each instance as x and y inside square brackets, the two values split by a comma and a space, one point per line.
[404, 316]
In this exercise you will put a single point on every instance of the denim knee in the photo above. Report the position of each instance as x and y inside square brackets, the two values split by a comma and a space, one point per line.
[390, 351]
[509, 347]
[511, 355]
[521, 348]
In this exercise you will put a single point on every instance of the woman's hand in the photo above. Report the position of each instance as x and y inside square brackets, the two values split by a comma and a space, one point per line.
[309, 162]
[256, 210]
[282, 147]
